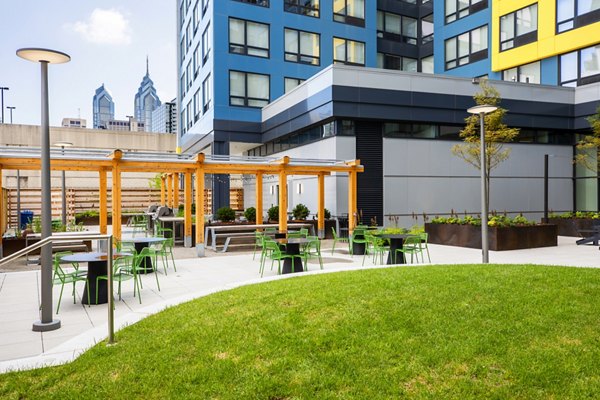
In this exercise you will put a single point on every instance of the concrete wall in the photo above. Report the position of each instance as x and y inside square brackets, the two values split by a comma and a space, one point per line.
[29, 136]
[422, 176]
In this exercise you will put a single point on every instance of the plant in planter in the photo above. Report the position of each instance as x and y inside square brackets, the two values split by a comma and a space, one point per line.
[225, 214]
[300, 212]
[326, 213]
[505, 233]
[250, 214]
[572, 223]
[273, 213]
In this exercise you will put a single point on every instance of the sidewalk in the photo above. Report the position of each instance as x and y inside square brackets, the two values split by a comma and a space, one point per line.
[83, 326]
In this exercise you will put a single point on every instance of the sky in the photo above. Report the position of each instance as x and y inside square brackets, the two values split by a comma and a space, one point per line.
[108, 42]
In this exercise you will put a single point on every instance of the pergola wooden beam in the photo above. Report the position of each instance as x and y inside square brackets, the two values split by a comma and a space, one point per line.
[118, 164]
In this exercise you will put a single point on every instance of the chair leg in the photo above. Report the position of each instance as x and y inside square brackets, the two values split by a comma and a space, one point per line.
[173, 259]
[60, 297]
[333, 248]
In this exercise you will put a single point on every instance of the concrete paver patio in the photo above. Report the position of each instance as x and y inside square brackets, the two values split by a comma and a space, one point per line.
[83, 326]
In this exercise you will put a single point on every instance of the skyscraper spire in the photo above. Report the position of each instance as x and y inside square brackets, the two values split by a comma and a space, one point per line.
[147, 67]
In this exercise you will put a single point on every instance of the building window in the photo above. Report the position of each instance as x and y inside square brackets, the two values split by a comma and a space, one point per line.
[248, 90]
[467, 48]
[390, 61]
[189, 75]
[427, 29]
[197, 105]
[181, 51]
[304, 7]
[188, 114]
[181, 15]
[182, 86]
[183, 122]
[580, 67]
[528, 73]
[205, 44]
[427, 65]
[206, 94]
[291, 83]
[349, 52]
[196, 60]
[188, 36]
[248, 38]
[262, 3]
[571, 14]
[196, 16]
[204, 6]
[302, 47]
[349, 12]
[457, 9]
[396, 27]
[518, 28]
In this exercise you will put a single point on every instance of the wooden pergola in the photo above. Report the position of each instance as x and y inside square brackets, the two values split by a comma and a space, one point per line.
[191, 167]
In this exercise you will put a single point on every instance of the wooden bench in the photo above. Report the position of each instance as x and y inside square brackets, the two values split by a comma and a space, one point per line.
[234, 236]
[233, 232]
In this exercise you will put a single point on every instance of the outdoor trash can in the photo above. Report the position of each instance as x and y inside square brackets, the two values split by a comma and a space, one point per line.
[25, 218]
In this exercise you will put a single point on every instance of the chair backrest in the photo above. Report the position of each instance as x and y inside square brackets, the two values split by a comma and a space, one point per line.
[424, 237]
[124, 263]
[412, 242]
[272, 246]
[335, 236]
[304, 231]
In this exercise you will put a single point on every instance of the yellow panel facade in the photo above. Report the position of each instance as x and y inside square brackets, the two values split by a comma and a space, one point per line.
[549, 43]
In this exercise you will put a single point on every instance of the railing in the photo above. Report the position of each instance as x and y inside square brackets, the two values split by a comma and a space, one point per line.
[67, 238]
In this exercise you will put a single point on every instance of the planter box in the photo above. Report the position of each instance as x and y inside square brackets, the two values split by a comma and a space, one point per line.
[509, 238]
[571, 226]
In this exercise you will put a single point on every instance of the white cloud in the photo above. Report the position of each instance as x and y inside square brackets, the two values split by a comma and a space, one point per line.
[104, 27]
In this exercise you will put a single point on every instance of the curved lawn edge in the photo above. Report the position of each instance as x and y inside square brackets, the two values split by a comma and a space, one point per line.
[73, 348]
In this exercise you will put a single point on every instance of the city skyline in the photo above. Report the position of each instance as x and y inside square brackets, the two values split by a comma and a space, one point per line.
[108, 44]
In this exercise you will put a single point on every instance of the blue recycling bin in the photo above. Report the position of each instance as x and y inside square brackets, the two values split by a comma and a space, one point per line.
[25, 218]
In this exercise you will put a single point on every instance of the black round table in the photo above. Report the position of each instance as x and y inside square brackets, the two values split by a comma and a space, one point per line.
[97, 266]
[292, 247]
[396, 242]
[139, 243]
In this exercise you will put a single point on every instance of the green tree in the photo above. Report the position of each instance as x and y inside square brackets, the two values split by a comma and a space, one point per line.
[588, 148]
[155, 182]
[496, 134]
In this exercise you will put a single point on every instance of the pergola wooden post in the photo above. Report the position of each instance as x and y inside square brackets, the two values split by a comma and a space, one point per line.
[259, 198]
[116, 193]
[283, 195]
[200, 205]
[103, 189]
[187, 224]
[170, 190]
[163, 195]
[321, 206]
[175, 191]
[352, 211]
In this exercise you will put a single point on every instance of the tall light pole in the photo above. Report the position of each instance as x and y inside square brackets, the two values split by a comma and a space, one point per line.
[482, 110]
[2, 89]
[11, 108]
[64, 181]
[45, 57]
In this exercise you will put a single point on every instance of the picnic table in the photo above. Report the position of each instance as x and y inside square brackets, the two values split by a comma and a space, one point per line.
[234, 232]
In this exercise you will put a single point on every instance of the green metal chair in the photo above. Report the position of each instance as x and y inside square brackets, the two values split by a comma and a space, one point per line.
[312, 249]
[336, 239]
[411, 245]
[258, 243]
[275, 254]
[165, 249]
[423, 245]
[302, 233]
[139, 224]
[122, 271]
[375, 246]
[61, 278]
[358, 236]
[140, 265]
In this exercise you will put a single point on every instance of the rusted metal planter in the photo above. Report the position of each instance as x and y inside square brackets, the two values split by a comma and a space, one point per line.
[508, 238]
[572, 226]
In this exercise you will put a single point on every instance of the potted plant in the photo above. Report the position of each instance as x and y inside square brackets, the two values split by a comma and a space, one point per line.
[300, 212]
[273, 214]
[250, 214]
[225, 214]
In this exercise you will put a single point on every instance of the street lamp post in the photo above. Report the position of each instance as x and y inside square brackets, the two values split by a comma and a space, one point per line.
[2, 89]
[45, 57]
[481, 110]
[64, 181]
[11, 108]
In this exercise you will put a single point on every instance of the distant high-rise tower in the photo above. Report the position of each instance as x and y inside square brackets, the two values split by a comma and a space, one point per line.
[146, 100]
[103, 107]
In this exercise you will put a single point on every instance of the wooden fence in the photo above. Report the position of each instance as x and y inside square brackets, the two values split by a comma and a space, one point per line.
[84, 199]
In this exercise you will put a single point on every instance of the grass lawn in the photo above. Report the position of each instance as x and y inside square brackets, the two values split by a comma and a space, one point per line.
[441, 332]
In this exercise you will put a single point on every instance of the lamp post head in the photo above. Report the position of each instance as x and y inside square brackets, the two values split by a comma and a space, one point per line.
[482, 109]
[35, 54]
